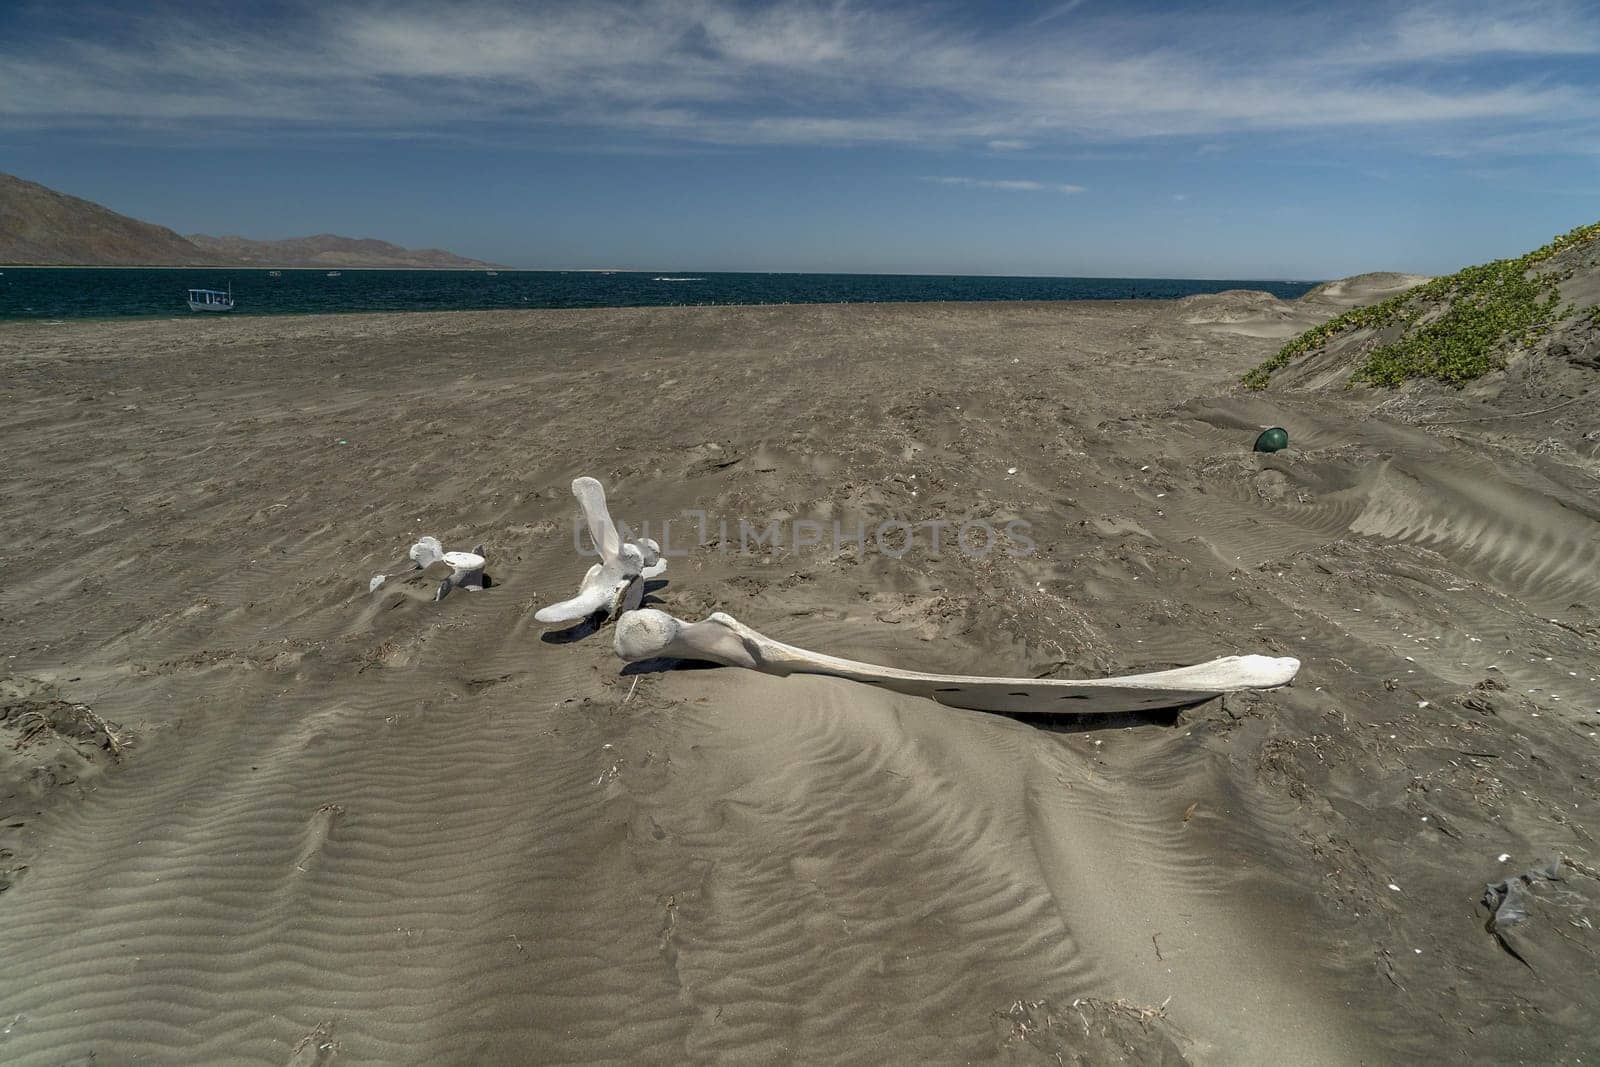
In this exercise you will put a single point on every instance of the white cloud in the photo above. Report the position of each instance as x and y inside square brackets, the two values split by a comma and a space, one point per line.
[1008, 185]
[815, 72]
[1441, 32]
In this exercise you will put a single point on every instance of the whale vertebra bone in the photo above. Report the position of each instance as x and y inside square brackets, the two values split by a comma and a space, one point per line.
[720, 638]
[615, 584]
[466, 568]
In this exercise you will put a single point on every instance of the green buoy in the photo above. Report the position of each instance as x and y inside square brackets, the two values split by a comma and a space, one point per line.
[1273, 440]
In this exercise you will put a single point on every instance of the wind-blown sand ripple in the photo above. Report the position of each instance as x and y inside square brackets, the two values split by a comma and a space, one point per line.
[379, 829]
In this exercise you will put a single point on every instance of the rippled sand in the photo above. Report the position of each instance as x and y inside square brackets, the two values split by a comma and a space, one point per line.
[342, 827]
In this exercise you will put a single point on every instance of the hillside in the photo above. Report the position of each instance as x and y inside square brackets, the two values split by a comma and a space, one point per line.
[1539, 308]
[42, 227]
[326, 250]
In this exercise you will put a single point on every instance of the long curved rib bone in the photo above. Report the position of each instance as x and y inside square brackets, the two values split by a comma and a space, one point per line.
[616, 583]
[720, 638]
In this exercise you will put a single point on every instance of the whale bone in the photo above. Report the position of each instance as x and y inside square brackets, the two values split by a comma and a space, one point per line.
[466, 568]
[615, 584]
[720, 638]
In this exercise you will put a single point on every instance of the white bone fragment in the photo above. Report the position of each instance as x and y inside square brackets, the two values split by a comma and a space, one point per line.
[426, 552]
[466, 568]
[654, 565]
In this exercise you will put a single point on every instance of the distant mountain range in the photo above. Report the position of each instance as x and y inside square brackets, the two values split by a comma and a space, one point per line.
[323, 250]
[41, 227]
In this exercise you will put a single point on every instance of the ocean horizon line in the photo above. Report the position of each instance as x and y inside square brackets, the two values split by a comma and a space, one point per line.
[679, 270]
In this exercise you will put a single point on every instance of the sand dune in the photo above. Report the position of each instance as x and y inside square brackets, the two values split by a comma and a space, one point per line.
[1363, 289]
[377, 829]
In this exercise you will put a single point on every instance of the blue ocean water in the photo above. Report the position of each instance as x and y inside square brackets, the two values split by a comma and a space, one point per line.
[88, 292]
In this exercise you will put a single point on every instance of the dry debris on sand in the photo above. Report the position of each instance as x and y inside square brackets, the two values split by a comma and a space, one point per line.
[306, 823]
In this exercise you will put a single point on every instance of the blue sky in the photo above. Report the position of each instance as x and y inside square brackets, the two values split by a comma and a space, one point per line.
[1277, 140]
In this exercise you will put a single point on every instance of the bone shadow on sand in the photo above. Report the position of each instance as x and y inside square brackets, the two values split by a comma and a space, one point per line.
[1049, 723]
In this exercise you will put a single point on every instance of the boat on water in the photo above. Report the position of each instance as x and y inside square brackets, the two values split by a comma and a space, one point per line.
[211, 299]
[335, 274]
[274, 273]
[492, 273]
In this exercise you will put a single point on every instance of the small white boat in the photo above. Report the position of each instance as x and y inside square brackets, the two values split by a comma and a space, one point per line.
[211, 299]
[274, 273]
[335, 274]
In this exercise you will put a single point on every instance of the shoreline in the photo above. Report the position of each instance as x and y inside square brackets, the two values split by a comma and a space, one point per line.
[408, 312]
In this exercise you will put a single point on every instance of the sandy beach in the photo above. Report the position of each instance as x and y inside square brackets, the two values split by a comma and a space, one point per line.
[257, 814]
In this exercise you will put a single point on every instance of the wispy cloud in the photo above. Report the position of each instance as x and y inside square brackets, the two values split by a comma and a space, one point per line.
[1055, 11]
[1008, 185]
[813, 71]
[1442, 32]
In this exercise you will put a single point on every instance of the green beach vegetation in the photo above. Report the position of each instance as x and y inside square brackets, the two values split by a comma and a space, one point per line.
[1453, 329]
